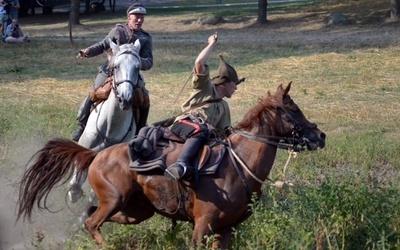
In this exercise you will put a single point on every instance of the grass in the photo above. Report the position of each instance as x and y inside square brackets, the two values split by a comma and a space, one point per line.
[345, 196]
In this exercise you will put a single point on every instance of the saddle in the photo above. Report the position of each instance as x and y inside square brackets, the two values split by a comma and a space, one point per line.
[101, 93]
[156, 147]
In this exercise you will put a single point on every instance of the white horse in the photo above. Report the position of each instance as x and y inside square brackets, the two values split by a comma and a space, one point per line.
[113, 120]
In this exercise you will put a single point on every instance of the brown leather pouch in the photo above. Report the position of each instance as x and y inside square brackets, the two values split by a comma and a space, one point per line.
[103, 91]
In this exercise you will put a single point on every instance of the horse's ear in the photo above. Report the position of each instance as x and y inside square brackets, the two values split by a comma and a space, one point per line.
[137, 45]
[113, 46]
[282, 92]
[288, 88]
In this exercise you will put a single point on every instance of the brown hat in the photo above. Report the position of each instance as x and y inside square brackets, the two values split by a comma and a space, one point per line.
[136, 8]
[225, 71]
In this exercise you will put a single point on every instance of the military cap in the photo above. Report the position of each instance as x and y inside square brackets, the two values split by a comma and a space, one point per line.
[225, 71]
[136, 8]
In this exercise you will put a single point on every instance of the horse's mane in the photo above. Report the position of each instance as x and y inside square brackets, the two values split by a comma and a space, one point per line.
[254, 113]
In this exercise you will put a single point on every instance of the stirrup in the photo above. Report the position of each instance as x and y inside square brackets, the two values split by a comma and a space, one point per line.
[176, 171]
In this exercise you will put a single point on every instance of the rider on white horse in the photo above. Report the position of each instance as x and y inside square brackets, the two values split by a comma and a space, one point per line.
[120, 34]
[113, 121]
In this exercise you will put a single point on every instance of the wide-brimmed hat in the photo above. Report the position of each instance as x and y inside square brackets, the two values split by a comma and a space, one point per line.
[225, 71]
[136, 8]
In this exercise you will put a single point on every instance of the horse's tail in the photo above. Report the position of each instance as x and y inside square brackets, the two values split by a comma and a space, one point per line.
[51, 164]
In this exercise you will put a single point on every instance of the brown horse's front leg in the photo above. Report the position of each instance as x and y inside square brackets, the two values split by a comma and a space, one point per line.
[202, 228]
[221, 240]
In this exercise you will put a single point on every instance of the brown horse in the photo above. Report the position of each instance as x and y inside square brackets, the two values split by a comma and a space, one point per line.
[218, 204]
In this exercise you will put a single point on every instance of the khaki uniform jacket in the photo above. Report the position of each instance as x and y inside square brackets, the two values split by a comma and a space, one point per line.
[216, 114]
[122, 34]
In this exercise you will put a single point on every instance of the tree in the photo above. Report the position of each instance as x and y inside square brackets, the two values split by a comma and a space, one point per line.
[395, 9]
[74, 12]
[262, 11]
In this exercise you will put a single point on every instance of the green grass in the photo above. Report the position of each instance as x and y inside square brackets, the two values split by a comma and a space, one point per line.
[346, 196]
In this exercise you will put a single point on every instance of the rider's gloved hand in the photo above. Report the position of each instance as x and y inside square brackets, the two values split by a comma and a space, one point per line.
[82, 54]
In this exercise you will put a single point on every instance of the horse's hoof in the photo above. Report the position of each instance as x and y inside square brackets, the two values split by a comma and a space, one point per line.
[74, 194]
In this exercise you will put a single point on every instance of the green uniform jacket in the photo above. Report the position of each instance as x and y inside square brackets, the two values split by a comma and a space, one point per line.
[216, 114]
[121, 34]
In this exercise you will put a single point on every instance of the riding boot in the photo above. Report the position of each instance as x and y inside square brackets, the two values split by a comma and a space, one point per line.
[83, 115]
[143, 114]
[189, 151]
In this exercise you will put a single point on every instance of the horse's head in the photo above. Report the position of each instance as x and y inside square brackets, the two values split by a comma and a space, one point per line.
[125, 65]
[292, 122]
[277, 120]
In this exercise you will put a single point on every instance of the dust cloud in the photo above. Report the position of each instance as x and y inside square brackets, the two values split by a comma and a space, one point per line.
[47, 230]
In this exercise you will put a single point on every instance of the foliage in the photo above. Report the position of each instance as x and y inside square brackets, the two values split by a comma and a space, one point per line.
[351, 215]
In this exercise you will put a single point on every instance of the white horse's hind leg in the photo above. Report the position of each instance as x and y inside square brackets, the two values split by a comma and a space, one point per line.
[75, 191]
[92, 197]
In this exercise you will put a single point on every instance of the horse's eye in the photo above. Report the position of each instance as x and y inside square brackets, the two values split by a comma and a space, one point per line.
[295, 108]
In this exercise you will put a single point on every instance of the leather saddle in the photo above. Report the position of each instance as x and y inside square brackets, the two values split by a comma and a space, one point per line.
[157, 147]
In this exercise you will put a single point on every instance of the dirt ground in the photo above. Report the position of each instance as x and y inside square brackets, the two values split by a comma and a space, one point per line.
[370, 26]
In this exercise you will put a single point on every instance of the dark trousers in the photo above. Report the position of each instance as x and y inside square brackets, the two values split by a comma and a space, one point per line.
[186, 129]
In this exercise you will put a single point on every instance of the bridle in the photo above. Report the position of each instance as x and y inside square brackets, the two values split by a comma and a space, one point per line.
[293, 144]
[296, 142]
[115, 83]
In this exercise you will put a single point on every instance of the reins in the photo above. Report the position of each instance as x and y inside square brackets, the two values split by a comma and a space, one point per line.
[236, 159]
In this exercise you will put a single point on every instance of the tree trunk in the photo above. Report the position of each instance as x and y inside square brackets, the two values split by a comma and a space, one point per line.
[395, 9]
[262, 11]
[74, 12]
[87, 6]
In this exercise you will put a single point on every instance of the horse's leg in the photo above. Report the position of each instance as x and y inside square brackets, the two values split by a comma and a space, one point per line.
[111, 181]
[136, 214]
[201, 228]
[102, 213]
[75, 191]
[221, 240]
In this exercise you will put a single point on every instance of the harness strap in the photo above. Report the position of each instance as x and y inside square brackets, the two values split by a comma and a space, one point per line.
[243, 164]
[240, 173]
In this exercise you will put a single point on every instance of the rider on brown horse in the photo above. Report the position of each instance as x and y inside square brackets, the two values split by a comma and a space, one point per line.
[204, 109]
